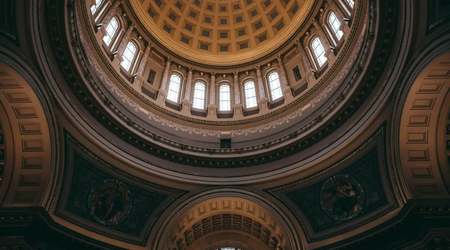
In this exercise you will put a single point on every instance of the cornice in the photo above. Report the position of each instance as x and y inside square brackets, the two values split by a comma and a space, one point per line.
[224, 163]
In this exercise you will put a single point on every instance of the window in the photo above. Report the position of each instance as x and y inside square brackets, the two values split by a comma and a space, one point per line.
[297, 74]
[335, 25]
[199, 96]
[351, 3]
[94, 7]
[174, 88]
[151, 76]
[111, 30]
[275, 86]
[250, 94]
[319, 51]
[128, 56]
[224, 98]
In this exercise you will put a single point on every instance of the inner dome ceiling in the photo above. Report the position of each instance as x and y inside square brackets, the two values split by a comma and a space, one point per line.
[222, 32]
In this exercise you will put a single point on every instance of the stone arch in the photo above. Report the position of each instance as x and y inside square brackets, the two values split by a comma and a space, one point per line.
[422, 131]
[30, 170]
[224, 215]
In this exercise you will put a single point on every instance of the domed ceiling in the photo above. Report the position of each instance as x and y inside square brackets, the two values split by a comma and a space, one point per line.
[222, 32]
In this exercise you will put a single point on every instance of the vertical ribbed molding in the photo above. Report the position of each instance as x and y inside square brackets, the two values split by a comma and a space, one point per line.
[287, 92]
[124, 42]
[306, 63]
[237, 89]
[164, 81]
[238, 107]
[212, 107]
[187, 100]
[139, 78]
[122, 46]
[262, 101]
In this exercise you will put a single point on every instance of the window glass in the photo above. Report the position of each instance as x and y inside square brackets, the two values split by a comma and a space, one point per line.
[111, 30]
[174, 88]
[199, 96]
[250, 94]
[224, 98]
[275, 86]
[128, 56]
[351, 3]
[319, 51]
[94, 7]
[335, 25]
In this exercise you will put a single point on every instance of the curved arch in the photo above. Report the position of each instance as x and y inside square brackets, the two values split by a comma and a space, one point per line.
[426, 107]
[30, 173]
[216, 202]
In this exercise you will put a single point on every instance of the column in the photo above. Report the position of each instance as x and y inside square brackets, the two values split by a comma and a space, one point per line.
[212, 107]
[122, 46]
[238, 107]
[305, 62]
[237, 90]
[322, 35]
[124, 42]
[212, 89]
[187, 102]
[139, 78]
[262, 101]
[164, 81]
[284, 81]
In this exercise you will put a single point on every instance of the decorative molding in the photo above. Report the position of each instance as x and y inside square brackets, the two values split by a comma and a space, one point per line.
[83, 169]
[368, 166]
[9, 29]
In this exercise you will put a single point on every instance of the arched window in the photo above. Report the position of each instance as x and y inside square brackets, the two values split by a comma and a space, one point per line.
[351, 3]
[128, 56]
[275, 86]
[174, 88]
[111, 30]
[319, 51]
[199, 96]
[335, 25]
[224, 98]
[94, 7]
[250, 94]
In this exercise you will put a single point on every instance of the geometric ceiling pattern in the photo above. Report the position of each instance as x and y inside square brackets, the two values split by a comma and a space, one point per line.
[224, 27]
